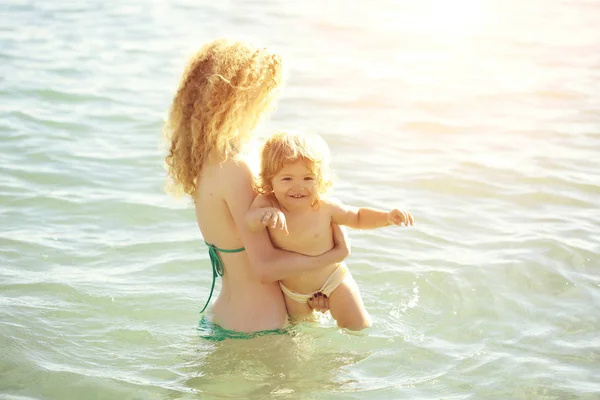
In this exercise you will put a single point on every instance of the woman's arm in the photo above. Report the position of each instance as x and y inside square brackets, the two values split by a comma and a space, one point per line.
[270, 264]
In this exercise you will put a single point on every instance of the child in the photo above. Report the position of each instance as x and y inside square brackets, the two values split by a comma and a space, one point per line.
[227, 87]
[293, 179]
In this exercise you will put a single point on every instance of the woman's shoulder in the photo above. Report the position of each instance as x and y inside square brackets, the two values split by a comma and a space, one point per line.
[235, 179]
[236, 167]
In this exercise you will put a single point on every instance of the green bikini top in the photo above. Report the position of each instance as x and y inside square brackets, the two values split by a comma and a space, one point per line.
[217, 266]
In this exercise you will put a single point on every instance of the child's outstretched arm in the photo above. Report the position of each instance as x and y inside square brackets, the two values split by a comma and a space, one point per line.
[262, 214]
[368, 218]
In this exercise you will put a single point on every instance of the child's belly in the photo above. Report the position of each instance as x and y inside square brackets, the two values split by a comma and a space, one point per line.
[311, 242]
[309, 282]
[308, 243]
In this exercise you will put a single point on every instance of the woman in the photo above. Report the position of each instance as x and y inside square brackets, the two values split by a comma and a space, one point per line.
[226, 89]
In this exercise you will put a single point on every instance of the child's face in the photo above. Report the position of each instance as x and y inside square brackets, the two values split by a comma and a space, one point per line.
[295, 186]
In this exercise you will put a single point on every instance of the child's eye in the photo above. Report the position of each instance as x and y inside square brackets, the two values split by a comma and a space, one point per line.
[309, 178]
[286, 179]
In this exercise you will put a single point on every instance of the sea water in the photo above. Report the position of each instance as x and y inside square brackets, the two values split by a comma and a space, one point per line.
[482, 118]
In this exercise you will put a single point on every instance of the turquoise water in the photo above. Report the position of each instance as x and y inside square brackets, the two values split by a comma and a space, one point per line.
[480, 117]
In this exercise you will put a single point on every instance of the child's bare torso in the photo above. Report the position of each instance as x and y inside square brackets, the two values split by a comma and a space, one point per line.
[310, 234]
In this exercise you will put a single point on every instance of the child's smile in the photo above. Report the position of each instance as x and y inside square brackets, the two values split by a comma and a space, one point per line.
[295, 185]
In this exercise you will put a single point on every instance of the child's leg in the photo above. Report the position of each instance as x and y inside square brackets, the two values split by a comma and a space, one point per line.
[346, 306]
[298, 311]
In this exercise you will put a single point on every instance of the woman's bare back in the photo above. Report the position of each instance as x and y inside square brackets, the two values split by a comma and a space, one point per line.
[245, 304]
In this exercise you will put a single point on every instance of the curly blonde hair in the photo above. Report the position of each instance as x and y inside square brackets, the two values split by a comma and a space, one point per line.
[226, 88]
[285, 148]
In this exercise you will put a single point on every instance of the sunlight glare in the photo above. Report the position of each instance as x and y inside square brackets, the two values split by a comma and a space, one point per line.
[460, 17]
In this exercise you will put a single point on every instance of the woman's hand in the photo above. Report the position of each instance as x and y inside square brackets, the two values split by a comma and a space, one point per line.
[341, 242]
[319, 302]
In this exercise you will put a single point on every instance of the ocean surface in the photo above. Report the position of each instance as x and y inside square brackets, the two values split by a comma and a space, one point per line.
[482, 118]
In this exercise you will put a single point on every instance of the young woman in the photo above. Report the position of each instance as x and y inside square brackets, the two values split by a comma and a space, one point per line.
[227, 87]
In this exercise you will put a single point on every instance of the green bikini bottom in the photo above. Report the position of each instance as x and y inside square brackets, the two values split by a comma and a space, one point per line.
[210, 331]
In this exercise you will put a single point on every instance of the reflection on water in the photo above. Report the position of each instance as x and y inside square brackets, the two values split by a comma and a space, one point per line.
[301, 362]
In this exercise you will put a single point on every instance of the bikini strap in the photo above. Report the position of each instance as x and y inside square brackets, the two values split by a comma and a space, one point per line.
[217, 266]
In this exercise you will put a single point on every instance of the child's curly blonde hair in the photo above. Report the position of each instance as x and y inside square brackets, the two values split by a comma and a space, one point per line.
[285, 148]
[226, 88]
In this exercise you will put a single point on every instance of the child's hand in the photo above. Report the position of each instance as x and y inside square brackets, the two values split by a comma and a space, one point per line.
[399, 217]
[274, 218]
